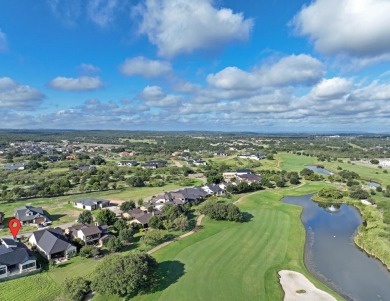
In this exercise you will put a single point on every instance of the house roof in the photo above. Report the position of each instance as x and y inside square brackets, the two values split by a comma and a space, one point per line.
[244, 171]
[87, 229]
[15, 254]
[21, 213]
[136, 212]
[144, 219]
[91, 201]
[51, 241]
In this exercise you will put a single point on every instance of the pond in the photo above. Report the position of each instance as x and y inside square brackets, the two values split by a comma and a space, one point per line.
[319, 170]
[373, 184]
[332, 256]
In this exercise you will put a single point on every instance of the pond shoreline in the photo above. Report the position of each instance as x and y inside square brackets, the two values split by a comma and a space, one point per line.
[330, 255]
[357, 233]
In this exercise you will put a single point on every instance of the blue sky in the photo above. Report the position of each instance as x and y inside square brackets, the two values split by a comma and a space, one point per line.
[227, 65]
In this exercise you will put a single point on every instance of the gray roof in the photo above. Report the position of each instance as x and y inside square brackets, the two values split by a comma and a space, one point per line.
[52, 241]
[21, 213]
[136, 212]
[14, 166]
[88, 229]
[15, 253]
[215, 188]
[91, 201]
[144, 219]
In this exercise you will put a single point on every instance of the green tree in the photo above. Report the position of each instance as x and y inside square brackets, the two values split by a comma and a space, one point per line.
[106, 217]
[85, 217]
[155, 222]
[126, 235]
[76, 288]
[126, 206]
[114, 244]
[125, 275]
[181, 222]
[152, 238]
[120, 224]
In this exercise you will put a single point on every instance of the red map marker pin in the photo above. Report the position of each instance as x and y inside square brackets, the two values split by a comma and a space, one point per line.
[14, 225]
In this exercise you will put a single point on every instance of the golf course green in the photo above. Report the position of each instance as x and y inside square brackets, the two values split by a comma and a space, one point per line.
[237, 261]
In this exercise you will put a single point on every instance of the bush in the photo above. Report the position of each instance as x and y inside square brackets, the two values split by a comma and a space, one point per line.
[330, 193]
[374, 161]
[75, 289]
[359, 194]
[219, 211]
[87, 251]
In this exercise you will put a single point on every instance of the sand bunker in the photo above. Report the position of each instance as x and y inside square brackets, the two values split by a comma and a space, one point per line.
[298, 288]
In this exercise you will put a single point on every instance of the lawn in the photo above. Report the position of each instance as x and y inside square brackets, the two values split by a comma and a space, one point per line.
[39, 287]
[231, 261]
[293, 162]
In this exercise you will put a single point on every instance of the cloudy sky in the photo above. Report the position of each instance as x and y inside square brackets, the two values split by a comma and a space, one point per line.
[229, 65]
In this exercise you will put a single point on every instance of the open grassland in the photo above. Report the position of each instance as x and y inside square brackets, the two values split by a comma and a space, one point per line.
[39, 287]
[365, 172]
[292, 162]
[232, 261]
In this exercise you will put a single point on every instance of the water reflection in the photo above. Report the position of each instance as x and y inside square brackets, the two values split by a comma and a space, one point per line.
[332, 256]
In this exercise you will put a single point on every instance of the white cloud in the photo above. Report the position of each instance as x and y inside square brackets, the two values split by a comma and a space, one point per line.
[3, 41]
[15, 95]
[155, 97]
[332, 88]
[89, 68]
[82, 83]
[352, 27]
[181, 26]
[145, 67]
[290, 70]
[102, 12]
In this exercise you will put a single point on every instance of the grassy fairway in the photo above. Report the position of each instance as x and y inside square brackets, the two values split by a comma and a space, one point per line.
[293, 162]
[230, 261]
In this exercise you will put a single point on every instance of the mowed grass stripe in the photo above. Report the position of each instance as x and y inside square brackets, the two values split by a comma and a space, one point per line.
[235, 260]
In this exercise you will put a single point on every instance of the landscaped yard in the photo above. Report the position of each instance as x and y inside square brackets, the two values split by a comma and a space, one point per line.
[230, 261]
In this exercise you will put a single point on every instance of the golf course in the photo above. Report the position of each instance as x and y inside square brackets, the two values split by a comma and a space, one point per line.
[237, 261]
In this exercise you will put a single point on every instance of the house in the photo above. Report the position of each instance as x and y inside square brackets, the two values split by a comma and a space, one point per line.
[128, 163]
[14, 166]
[15, 258]
[143, 220]
[249, 178]
[229, 175]
[134, 213]
[252, 156]
[31, 215]
[91, 204]
[53, 158]
[89, 234]
[214, 189]
[240, 172]
[125, 154]
[197, 162]
[1, 217]
[154, 164]
[52, 243]
[220, 153]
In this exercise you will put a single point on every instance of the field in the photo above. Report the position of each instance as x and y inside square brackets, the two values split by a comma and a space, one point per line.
[293, 162]
[230, 261]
